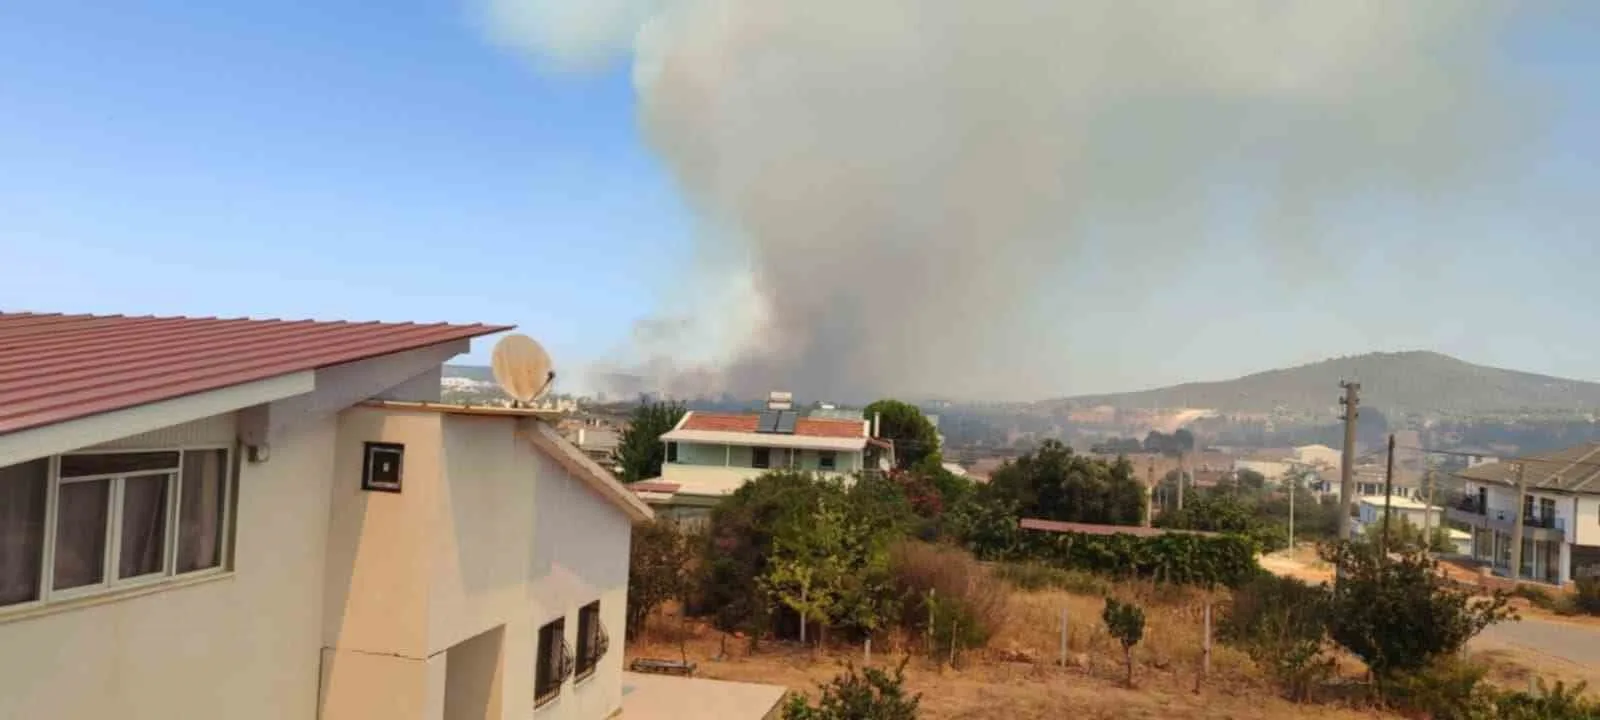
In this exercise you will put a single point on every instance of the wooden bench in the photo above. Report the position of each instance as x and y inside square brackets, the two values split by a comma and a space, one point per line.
[664, 667]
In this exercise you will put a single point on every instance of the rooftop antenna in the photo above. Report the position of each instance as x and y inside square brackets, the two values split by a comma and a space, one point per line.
[522, 368]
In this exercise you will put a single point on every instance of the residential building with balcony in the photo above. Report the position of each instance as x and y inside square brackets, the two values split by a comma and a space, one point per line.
[710, 455]
[1559, 503]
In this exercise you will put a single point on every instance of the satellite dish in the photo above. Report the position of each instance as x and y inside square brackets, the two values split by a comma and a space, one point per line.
[522, 367]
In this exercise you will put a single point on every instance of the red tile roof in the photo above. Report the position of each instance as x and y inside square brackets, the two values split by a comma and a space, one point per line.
[55, 367]
[811, 427]
[1088, 529]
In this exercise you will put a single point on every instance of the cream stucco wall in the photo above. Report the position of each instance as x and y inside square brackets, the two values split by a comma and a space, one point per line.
[346, 604]
[1586, 523]
[243, 645]
[487, 536]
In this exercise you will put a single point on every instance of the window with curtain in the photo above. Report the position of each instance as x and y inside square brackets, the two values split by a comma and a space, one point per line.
[82, 519]
[23, 492]
[142, 549]
[201, 508]
[115, 518]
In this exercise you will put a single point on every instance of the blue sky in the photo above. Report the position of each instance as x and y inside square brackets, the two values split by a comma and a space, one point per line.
[325, 161]
[337, 160]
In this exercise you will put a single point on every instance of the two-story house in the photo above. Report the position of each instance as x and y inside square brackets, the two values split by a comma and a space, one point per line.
[1560, 508]
[709, 455]
[269, 520]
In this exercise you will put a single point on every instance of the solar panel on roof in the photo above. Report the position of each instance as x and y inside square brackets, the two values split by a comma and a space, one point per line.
[768, 422]
[786, 421]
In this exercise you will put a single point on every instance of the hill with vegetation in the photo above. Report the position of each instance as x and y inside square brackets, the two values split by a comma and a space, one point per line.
[479, 373]
[1416, 382]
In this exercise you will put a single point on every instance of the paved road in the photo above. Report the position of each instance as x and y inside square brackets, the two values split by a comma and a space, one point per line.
[1572, 642]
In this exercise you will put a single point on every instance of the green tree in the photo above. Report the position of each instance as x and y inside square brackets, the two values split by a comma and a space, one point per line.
[914, 437]
[658, 559]
[808, 564]
[805, 543]
[1056, 484]
[1125, 622]
[641, 452]
[1398, 613]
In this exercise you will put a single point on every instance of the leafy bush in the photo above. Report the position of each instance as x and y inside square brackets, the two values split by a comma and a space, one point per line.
[946, 595]
[1451, 689]
[1558, 702]
[1125, 622]
[871, 694]
[1448, 689]
[1587, 598]
[1179, 558]
[1281, 623]
[1399, 614]
[987, 525]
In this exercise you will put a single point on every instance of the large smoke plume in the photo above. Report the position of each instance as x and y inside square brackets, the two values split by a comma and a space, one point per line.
[907, 189]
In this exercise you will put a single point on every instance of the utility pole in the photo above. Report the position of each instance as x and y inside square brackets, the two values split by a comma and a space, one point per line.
[1294, 485]
[1347, 466]
[1388, 492]
[1427, 515]
[1182, 463]
[1516, 529]
[1149, 491]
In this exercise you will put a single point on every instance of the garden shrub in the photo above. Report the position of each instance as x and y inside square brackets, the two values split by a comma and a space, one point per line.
[870, 694]
[964, 595]
[1587, 597]
[1281, 623]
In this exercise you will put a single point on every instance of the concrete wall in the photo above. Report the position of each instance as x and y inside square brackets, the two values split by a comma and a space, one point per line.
[243, 645]
[1585, 527]
[489, 539]
[375, 659]
[580, 554]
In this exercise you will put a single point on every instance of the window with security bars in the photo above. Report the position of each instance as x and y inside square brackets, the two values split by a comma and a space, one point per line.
[554, 663]
[592, 640]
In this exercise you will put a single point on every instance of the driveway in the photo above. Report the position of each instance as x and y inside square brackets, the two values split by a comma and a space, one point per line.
[660, 697]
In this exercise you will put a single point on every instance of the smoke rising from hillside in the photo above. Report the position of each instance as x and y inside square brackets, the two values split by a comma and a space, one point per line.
[908, 187]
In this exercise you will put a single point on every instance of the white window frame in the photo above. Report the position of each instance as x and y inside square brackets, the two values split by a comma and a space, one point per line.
[110, 584]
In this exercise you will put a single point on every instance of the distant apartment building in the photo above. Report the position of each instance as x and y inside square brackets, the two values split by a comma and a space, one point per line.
[710, 455]
[1560, 506]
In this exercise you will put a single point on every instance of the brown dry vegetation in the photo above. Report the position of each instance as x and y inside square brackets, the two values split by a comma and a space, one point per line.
[1018, 674]
[1016, 677]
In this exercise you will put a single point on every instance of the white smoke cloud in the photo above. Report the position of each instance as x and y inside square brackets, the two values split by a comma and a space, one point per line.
[909, 180]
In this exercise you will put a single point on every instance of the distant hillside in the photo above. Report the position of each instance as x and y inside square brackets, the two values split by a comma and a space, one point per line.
[1396, 383]
[480, 373]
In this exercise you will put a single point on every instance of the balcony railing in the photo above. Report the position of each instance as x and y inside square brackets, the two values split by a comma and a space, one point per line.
[1470, 505]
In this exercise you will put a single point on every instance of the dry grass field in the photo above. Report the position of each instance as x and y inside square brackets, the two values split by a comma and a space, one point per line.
[1017, 677]
[1020, 675]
